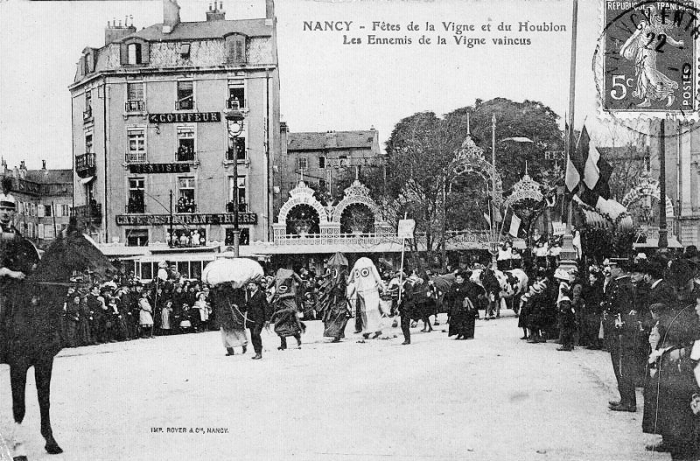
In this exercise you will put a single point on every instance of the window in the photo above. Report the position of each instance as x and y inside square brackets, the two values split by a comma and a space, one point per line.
[187, 238]
[136, 237]
[88, 143]
[185, 144]
[236, 91]
[136, 203]
[236, 45]
[185, 95]
[185, 201]
[322, 162]
[136, 145]
[134, 53]
[47, 210]
[303, 163]
[87, 115]
[240, 150]
[242, 201]
[244, 238]
[40, 211]
[49, 231]
[185, 50]
[135, 97]
[40, 228]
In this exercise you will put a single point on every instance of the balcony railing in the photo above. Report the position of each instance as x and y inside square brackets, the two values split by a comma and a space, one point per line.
[135, 157]
[135, 207]
[135, 106]
[85, 164]
[186, 208]
[242, 207]
[92, 211]
[185, 104]
[185, 154]
[87, 114]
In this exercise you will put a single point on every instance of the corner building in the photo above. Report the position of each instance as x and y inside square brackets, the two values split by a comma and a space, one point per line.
[152, 156]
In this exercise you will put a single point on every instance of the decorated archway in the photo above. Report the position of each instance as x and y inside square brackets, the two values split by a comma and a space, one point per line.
[357, 193]
[302, 195]
[647, 189]
[470, 159]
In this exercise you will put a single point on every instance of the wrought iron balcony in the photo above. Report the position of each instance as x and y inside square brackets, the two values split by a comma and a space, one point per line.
[186, 208]
[136, 105]
[185, 104]
[92, 212]
[234, 104]
[135, 157]
[242, 207]
[135, 206]
[85, 165]
[185, 154]
[87, 114]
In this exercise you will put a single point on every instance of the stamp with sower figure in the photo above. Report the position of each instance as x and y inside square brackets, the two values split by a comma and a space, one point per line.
[646, 59]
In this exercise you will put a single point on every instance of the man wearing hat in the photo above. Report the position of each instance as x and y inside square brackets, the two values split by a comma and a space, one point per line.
[10, 265]
[620, 329]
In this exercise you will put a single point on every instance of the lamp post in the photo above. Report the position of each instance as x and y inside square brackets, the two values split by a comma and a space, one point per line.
[234, 122]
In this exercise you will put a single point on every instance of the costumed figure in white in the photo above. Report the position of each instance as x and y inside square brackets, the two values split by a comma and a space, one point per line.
[364, 286]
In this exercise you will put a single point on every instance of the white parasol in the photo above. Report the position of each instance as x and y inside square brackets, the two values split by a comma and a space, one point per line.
[238, 271]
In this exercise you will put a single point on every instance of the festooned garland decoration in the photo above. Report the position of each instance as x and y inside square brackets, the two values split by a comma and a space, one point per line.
[615, 222]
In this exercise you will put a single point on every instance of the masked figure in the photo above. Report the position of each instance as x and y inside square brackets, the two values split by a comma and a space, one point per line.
[333, 303]
[364, 286]
[285, 317]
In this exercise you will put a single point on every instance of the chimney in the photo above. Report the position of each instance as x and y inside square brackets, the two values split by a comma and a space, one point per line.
[115, 32]
[331, 139]
[171, 15]
[216, 13]
[269, 9]
[22, 169]
[43, 164]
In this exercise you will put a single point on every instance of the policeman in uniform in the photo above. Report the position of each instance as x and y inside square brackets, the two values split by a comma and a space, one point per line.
[10, 273]
[621, 328]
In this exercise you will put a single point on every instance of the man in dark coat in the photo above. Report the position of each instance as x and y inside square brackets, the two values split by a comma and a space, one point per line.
[462, 299]
[11, 270]
[621, 327]
[257, 316]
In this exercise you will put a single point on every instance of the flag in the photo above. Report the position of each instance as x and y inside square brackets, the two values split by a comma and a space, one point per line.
[487, 218]
[514, 226]
[576, 160]
[596, 172]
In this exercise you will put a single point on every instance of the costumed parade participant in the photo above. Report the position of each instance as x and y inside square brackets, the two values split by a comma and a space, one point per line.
[364, 286]
[284, 302]
[334, 307]
[229, 302]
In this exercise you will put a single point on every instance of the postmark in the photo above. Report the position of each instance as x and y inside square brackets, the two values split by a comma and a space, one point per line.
[645, 63]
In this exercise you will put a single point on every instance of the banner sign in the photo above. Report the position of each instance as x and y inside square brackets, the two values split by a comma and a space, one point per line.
[147, 168]
[187, 117]
[185, 219]
[406, 228]
[558, 228]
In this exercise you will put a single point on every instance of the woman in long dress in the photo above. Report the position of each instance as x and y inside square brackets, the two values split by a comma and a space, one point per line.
[229, 301]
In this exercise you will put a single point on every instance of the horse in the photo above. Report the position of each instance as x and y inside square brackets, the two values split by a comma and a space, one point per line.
[33, 322]
[512, 284]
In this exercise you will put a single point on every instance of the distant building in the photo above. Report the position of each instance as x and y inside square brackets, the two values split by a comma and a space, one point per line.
[322, 159]
[44, 200]
[149, 124]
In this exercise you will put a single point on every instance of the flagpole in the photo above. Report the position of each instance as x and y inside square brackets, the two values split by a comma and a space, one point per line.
[568, 252]
[663, 229]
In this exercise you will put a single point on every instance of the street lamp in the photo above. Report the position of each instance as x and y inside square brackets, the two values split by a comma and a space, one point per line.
[234, 124]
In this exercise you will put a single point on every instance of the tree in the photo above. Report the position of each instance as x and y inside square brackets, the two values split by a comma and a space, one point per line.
[421, 182]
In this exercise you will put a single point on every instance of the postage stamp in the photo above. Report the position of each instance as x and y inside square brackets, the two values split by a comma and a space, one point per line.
[646, 59]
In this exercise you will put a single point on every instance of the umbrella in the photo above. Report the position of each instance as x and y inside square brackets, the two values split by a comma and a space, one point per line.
[338, 260]
[443, 282]
[238, 271]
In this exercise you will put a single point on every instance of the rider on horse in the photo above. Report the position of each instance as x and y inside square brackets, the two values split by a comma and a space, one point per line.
[10, 263]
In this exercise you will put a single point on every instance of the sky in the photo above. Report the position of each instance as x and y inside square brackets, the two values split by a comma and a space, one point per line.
[325, 84]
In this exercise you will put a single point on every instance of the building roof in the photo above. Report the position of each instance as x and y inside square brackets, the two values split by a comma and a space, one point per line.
[204, 30]
[50, 176]
[331, 140]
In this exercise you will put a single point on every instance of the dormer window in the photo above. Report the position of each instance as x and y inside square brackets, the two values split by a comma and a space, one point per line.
[134, 53]
[236, 47]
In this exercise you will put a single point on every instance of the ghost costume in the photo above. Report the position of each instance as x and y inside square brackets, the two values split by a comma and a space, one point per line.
[364, 286]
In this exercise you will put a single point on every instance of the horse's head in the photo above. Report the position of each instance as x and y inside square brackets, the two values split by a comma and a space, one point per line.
[69, 254]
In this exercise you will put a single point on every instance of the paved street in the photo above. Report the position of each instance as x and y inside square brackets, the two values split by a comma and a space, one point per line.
[495, 397]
